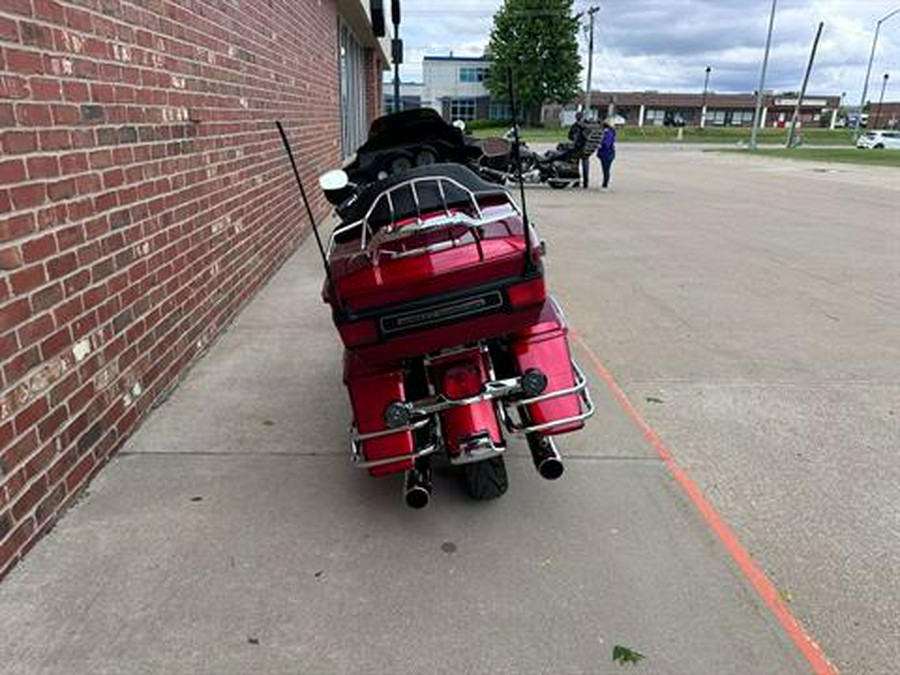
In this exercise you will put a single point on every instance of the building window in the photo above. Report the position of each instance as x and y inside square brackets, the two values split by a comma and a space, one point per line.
[715, 118]
[741, 117]
[499, 111]
[462, 109]
[353, 92]
[655, 117]
[472, 74]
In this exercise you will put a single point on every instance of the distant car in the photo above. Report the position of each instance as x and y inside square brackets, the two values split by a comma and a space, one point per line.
[879, 140]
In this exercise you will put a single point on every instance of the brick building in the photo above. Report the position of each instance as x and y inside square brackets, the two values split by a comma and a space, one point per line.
[144, 198]
[884, 115]
[654, 108]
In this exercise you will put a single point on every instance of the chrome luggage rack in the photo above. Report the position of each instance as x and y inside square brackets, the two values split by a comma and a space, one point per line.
[422, 412]
[469, 216]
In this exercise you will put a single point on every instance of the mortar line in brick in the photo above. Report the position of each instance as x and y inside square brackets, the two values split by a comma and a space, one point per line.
[143, 240]
[262, 198]
[276, 67]
[177, 328]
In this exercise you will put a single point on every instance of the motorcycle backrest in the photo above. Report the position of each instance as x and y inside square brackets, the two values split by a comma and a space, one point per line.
[496, 147]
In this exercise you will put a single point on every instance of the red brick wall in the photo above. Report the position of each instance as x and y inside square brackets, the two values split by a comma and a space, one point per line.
[144, 197]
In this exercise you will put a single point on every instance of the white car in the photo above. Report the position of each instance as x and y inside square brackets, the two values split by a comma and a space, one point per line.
[879, 140]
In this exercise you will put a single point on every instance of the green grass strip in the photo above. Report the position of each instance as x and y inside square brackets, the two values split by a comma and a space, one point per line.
[842, 156]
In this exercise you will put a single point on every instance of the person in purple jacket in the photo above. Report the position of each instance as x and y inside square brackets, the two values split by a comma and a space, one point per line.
[607, 150]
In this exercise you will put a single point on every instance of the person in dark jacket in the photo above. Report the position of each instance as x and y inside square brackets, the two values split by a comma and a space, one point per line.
[578, 137]
[607, 150]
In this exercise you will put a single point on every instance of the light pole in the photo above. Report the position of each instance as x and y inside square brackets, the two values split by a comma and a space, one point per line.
[884, 82]
[396, 51]
[862, 100]
[762, 80]
[587, 94]
[792, 134]
[703, 104]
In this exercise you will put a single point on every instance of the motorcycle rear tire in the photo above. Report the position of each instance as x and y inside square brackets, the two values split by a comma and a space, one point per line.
[486, 479]
[558, 183]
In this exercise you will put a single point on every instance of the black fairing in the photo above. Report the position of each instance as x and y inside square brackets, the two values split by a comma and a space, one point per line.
[408, 133]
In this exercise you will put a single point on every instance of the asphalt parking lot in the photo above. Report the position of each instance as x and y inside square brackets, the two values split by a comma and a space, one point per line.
[746, 308]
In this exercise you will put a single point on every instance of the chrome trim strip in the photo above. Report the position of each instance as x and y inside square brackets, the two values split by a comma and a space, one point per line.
[432, 315]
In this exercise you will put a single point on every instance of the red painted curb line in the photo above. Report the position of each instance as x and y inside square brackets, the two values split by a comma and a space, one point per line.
[755, 576]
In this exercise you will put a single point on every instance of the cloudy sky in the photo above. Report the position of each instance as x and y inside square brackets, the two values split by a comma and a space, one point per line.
[667, 44]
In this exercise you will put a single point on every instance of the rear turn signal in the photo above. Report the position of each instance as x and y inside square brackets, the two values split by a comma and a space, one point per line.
[527, 294]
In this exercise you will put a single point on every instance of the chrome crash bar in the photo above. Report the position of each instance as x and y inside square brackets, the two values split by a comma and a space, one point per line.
[359, 460]
[420, 413]
[520, 428]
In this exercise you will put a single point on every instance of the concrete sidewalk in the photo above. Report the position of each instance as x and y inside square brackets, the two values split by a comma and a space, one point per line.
[231, 535]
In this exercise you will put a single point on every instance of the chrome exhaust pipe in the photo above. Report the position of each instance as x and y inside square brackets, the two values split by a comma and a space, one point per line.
[546, 457]
[417, 487]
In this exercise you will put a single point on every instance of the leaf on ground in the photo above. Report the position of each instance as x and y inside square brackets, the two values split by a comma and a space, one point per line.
[786, 595]
[268, 423]
[623, 655]
[654, 399]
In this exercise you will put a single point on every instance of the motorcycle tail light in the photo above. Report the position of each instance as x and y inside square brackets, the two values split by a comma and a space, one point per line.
[527, 294]
[359, 333]
[462, 381]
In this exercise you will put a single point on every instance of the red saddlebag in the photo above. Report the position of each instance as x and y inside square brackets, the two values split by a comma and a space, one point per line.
[545, 346]
[370, 395]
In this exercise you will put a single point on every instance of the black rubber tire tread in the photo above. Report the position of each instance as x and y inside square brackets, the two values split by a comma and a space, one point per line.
[558, 184]
[486, 479]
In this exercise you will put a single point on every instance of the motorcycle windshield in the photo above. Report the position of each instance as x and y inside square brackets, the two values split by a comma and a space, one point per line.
[422, 125]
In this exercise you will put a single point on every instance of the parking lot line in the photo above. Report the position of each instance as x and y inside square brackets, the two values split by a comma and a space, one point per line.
[752, 573]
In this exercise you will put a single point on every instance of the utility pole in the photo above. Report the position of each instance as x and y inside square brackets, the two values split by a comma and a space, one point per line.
[792, 134]
[862, 100]
[762, 80]
[396, 51]
[587, 94]
[703, 105]
[884, 82]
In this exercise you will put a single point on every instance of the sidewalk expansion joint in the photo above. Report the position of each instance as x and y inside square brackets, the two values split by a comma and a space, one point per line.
[578, 457]
[226, 453]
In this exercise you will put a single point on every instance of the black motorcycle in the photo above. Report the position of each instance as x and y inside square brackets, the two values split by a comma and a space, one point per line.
[557, 168]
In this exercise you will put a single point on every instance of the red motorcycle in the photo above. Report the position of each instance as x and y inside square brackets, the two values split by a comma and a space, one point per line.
[436, 285]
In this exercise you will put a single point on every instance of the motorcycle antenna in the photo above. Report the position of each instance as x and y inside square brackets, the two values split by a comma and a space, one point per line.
[309, 213]
[517, 159]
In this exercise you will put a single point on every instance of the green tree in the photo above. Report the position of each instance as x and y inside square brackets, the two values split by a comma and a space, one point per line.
[538, 40]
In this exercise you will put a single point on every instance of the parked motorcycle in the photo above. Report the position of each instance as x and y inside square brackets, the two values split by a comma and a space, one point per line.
[559, 168]
[436, 285]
